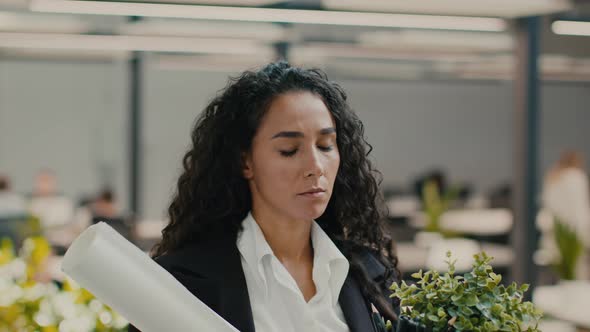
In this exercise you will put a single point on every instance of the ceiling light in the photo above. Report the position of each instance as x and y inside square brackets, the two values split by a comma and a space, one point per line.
[33, 22]
[269, 15]
[575, 28]
[491, 8]
[210, 63]
[131, 43]
[191, 28]
[438, 40]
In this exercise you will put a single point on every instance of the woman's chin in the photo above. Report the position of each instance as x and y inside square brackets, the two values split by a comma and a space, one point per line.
[312, 212]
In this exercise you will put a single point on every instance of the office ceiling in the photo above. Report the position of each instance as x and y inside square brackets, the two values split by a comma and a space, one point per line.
[382, 53]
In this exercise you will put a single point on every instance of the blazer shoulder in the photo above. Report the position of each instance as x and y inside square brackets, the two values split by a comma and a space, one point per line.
[384, 276]
[369, 259]
[374, 266]
[209, 257]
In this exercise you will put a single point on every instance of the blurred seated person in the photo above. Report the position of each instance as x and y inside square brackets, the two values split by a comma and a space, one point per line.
[105, 208]
[13, 214]
[11, 203]
[565, 196]
[501, 196]
[52, 208]
[55, 211]
[104, 205]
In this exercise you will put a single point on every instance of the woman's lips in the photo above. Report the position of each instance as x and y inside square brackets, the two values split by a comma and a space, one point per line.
[313, 194]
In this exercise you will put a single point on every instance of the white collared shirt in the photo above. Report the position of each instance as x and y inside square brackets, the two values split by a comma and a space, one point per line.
[276, 300]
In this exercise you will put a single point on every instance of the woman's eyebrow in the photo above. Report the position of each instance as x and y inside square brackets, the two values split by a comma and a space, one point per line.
[298, 134]
[288, 134]
[328, 131]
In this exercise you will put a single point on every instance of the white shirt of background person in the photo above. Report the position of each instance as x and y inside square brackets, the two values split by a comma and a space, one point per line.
[12, 204]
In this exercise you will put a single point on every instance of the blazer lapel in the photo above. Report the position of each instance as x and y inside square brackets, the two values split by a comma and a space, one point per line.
[234, 298]
[355, 307]
[215, 275]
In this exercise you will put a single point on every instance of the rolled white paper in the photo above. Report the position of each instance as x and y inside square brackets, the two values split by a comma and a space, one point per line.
[129, 281]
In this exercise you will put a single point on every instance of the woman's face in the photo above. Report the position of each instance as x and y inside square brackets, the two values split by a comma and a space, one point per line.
[294, 158]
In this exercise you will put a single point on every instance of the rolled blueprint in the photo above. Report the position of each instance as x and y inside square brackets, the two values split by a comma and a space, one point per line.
[129, 281]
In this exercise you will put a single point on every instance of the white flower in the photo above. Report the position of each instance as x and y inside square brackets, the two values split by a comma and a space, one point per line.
[9, 292]
[27, 247]
[83, 323]
[64, 304]
[5, 282]
[44, 318]
[15, 269]
[95, 305]
[119, 321]
[105, 317]
[35, 292]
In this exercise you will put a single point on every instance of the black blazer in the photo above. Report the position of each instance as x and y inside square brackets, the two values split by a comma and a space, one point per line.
[212, 271]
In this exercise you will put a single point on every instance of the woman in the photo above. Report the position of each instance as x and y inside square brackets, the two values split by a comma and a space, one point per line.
[276, 223]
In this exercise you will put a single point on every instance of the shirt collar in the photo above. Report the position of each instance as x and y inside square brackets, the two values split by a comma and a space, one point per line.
[329, 262]
[326, 254]
[254, 248]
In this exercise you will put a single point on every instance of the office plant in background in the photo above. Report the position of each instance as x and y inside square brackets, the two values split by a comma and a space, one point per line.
[570, 249]
[474, 301]
[30, 301]
[435, 204]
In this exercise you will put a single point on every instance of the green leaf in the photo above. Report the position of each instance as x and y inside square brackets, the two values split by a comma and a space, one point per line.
[417, 275]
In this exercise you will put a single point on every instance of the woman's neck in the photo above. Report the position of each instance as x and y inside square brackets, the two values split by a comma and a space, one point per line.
[290, 240]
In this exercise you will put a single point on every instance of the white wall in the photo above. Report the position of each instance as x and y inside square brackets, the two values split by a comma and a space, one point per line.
[565, 121]
[69, 117]
[462, 127]
[72, 117]
[173, 99]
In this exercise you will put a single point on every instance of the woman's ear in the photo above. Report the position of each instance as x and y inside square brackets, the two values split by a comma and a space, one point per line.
[247, 172]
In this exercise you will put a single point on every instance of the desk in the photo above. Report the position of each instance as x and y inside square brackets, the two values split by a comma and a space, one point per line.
[483, 222]
[568, 301]
[413, 257]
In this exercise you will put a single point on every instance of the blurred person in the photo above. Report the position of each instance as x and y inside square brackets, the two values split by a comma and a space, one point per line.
[11, 203]
[105, 205]
[105, 208]
[93, 209]
[501, 196]
[45, 184]
[276, 224]
[54, 210]
[566, 196]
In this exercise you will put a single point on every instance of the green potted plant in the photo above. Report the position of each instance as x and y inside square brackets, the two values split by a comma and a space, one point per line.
[435, 204]
[570, 249]
[474, 301]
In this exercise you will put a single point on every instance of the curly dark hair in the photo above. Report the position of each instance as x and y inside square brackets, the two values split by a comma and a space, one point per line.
[212, 194]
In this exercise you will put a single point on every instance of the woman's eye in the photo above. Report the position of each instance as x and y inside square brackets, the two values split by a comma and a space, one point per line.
[326, 148]
[288, 153]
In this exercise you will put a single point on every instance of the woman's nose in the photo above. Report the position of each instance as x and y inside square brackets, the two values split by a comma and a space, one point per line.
[313, 165]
